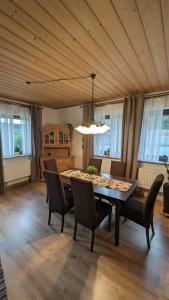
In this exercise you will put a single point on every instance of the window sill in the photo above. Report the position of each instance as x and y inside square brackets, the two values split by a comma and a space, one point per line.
[17, 156]
[151, 162]
[109, 157]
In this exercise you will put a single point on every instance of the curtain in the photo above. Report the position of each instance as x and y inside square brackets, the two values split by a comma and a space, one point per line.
[109, 143]
[15, 125]
[154, 134]
[36, 121]
[2, 184]
[133, 112]
[87, 139]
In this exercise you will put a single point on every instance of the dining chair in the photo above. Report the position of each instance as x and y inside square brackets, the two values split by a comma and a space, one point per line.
[96, 162]
[60, 200]
[50, 165]
[88, 211]
[118, 168]
[142, 213]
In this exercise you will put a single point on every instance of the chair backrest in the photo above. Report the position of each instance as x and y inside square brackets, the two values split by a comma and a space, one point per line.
[96, 162]
[85, 204]
[118, 168]
[151, 197]
[50, 165]
[55, 191]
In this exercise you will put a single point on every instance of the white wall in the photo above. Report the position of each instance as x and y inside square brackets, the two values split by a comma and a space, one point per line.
[50, 115]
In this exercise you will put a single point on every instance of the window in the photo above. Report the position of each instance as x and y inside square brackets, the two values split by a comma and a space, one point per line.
[154, 140]
[109, 143]
[15, 126]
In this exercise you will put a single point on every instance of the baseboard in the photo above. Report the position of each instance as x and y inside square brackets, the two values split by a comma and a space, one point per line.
[17, 182]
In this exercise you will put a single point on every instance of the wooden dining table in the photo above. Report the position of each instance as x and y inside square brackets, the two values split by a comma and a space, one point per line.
[115, 197]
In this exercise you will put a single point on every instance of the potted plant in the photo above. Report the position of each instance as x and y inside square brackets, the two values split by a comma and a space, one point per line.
[17, 150]
[91, 170]
[165, 211]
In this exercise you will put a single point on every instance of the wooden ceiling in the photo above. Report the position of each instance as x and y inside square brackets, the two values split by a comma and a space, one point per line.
[125, 42]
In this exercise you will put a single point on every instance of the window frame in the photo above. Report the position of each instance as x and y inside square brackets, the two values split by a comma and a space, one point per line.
[149, 161]
[16, 116]
[122, 125]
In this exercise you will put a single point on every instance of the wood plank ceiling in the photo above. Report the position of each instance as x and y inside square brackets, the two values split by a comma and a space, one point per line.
[125, 42]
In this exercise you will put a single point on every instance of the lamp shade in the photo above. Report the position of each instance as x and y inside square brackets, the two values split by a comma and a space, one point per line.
[93, 129]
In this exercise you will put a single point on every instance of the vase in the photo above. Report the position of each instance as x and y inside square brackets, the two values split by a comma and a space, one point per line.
[91, 176]
[166, 198]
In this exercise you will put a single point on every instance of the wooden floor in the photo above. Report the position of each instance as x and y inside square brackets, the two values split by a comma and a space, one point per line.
[40, 263]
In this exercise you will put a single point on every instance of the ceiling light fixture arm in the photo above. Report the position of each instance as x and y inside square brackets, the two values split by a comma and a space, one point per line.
[92, 104]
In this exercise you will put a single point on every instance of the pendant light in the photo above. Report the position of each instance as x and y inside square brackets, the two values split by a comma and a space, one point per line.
[94, 127]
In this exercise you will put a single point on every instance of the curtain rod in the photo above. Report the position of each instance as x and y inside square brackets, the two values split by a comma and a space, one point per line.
[9, 101]
[157, 94]
[110, 102]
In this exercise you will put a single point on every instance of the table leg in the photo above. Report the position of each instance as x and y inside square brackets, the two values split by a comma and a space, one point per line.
[117, 224]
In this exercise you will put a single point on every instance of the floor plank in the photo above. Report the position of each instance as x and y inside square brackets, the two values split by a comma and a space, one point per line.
[41, 263]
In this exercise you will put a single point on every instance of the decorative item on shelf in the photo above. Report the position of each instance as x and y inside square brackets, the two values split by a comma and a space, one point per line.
[70, 127]
[91, 170]
[93, 127]
[17, 151]
[165, 210]
[107, 152]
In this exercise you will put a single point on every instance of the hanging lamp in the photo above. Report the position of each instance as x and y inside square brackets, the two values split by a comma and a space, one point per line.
[93, 127]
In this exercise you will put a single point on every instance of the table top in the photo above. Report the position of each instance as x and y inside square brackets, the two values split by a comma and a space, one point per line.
[109, 193]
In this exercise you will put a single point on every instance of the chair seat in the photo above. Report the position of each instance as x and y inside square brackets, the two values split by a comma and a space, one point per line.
[133, 210]
[69, 200]
[102, 210]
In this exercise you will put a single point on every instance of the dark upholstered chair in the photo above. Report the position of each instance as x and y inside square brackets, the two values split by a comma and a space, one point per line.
[96, 162]
[50, 165]
[60, 200]
[118, 168]
[142, 213]
[88, 211]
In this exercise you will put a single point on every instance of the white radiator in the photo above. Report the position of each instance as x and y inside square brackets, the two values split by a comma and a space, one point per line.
[146, 177]
[16, 168]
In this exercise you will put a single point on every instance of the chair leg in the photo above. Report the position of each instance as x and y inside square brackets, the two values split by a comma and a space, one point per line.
[47, 199]
[75, 231]
[125, 219]
[49, 217]
[92, 240]
[152, 227]
[109, 222]
[62, 225]
[148, 238]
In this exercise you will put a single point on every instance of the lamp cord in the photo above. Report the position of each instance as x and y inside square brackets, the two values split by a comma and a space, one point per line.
[59, 79]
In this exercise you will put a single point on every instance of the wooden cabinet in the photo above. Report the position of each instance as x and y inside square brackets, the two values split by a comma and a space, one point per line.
[56, 144]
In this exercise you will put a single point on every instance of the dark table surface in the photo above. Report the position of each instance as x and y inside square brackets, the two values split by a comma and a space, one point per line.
[108, 193]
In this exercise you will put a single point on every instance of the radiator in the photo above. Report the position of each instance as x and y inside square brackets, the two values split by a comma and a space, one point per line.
[146, 177]
[16, 169]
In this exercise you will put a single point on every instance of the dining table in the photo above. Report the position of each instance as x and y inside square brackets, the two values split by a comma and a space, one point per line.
[113, 196]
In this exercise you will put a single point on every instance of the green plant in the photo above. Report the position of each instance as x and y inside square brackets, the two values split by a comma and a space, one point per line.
[91, 170]
[17, 149]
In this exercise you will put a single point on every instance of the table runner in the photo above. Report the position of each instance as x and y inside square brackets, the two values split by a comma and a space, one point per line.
[99, 180]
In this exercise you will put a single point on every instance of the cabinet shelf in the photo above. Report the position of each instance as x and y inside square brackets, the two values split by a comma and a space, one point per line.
[56, 144]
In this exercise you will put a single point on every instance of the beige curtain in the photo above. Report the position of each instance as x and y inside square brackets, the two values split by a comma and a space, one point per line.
[87, 138]
[2, 184]
[133, 112]
[36, 123]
